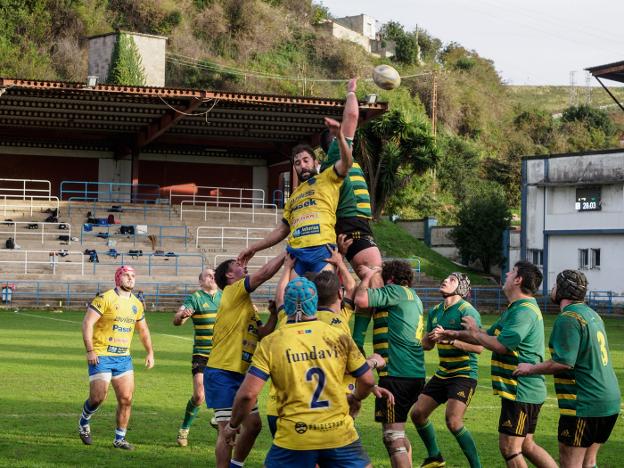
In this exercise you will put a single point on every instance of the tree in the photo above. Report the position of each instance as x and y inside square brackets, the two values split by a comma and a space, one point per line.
[407, 49]
[392, 150]
[126, 65]
[482, 220]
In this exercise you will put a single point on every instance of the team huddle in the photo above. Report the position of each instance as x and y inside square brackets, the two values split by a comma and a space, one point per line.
[317, 369]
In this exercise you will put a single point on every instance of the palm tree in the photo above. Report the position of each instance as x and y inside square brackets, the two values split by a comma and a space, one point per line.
[392, 150]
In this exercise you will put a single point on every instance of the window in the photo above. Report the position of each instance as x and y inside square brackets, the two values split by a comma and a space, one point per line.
[589, 259]
[536, 257]
[594, 259]
[588, 198]
[583, 259]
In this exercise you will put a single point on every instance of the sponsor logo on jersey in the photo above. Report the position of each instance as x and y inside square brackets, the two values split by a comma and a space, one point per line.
[307, 230]
[301, 427]
[135, 310]
[305, 204]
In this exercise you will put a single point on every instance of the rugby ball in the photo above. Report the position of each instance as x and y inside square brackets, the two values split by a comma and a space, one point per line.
[386, 77]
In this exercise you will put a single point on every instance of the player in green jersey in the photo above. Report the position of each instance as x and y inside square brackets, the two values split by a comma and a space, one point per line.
[201, 307]
[517, 336]
[398, 329]
[586, 385]
[455, 380]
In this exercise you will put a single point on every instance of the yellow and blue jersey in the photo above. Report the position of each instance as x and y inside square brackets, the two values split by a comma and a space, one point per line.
[306, 362]
[112, 333]
[311, 210]
[235, 332]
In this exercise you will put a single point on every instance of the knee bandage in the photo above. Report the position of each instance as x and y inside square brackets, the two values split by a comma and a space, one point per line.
[394, 441]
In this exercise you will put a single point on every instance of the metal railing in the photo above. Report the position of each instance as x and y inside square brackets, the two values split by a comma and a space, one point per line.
[233, 233]
[24, 187]
[79, 203]
[35, 232]
[219, 195]
[152, 263]
[152, 229]
[109, 191]
[251, 212]
[31, 202]
[25, 260]
[608, 300]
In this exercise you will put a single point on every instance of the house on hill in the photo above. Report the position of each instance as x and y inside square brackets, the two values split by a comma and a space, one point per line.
[362, 30]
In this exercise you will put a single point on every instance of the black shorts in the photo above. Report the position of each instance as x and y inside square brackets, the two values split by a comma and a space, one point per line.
[518, 419]
[583, 432]
[198, 364]
[405, 391]
[454, 388]
[359, 230]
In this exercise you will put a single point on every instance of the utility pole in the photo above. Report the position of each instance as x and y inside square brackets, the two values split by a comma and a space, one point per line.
[434, 104]
[588, 90]
[573, 95]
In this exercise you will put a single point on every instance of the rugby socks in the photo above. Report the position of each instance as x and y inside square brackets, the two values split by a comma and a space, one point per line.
[468, 446]
[427, 434]
[236, 464]
[190, 414]
[87, 412]
[120, 434]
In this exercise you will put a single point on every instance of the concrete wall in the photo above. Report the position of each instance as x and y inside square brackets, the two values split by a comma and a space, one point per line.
[340, 32]
[415, 228]
[260, 181]
[151, 49]
[361, 24]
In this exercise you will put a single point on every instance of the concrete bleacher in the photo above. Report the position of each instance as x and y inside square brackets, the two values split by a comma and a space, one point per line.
[51, 278]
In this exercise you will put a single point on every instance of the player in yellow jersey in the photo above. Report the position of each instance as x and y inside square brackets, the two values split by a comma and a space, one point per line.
[236, 333]
[107, 331]
[307, 360]
[310, 214]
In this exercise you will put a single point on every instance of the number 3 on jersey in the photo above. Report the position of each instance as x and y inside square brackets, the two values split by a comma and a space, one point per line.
[603, 348]
[315, 402]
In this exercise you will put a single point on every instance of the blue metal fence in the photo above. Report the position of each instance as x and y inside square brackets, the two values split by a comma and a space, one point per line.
[146, 207]
[154, 261]
[109, 191]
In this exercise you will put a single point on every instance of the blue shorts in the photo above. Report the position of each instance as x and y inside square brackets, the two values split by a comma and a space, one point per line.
[310, 259]
[110, 367]
[220, 387]
[349, 456]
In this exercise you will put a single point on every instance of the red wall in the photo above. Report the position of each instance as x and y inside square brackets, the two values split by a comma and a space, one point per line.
[52, 168]
[165, 173]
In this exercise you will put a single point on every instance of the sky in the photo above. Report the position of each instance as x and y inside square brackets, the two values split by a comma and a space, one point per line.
[532, 42]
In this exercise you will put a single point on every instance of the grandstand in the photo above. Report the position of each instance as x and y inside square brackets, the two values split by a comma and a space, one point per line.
[167, 241]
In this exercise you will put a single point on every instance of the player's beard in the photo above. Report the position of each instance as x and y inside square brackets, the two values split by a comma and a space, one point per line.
[305, 175]
[125, 288]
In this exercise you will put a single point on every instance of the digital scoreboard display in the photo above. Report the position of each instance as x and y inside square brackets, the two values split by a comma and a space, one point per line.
[588, 199]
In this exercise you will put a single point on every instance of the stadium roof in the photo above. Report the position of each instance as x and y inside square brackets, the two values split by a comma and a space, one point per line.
[146, 119]
[611, 71]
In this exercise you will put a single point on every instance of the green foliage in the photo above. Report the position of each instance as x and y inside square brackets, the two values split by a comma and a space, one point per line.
[407, 48]
[319, 14]
[126, 64]
[458, 166]
[482, 220]
[392, 150]
[592, 118]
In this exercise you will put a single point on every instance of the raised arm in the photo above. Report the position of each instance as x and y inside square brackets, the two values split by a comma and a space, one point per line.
[267, 271]
[182, 315]
[361, 293]
[335, 258]
[343, 165]
[274, 237]
[351, 112]
[289, 264]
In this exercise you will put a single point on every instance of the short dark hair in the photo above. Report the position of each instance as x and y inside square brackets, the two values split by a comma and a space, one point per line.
[221, 271]
[531, 276]
[301, 148]
[399, 271]
[327, 287]
[325, 140]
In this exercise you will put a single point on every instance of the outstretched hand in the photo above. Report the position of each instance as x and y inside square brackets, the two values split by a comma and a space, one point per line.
[352, 85]
[244, 257]
[332, 125]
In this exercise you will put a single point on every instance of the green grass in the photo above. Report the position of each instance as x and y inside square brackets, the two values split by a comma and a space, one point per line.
[394, 241]
[557, 98]
[44, 383]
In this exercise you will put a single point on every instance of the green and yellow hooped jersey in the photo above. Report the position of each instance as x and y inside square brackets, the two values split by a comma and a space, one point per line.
[204, 307]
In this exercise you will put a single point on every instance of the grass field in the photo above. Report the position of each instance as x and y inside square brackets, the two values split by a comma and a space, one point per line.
[43, 384]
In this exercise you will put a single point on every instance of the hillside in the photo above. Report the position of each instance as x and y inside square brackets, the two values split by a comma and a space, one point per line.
[483, 126]
[556, 98]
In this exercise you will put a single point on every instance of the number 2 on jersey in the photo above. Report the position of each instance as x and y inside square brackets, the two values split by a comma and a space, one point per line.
[315, 402]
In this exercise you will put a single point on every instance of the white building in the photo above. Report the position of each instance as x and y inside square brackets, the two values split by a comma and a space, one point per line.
[573, 216]
[362, 30]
